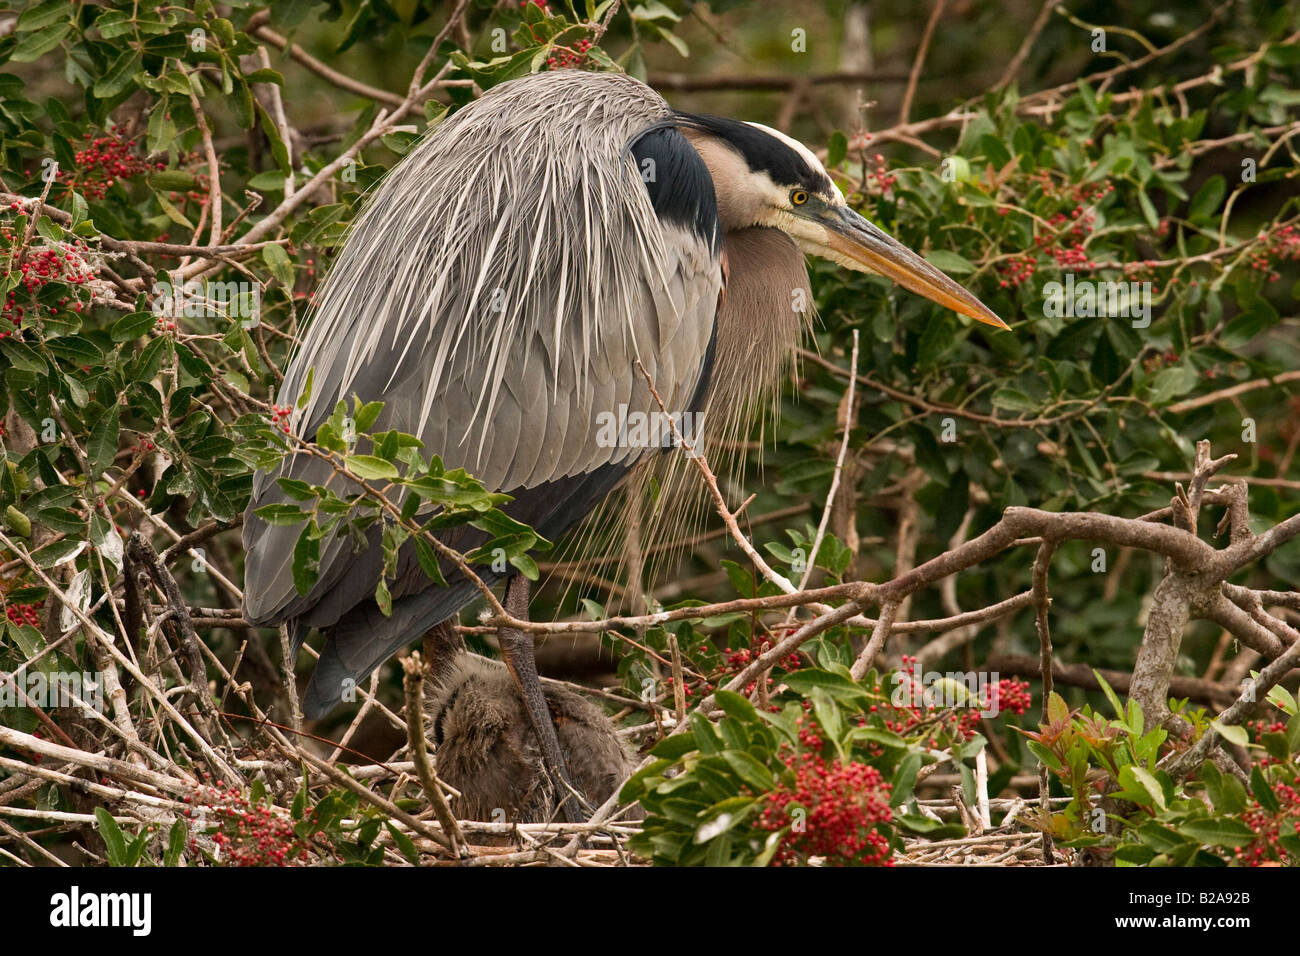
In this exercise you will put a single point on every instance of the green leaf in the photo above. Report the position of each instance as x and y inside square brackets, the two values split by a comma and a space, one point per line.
[42, 15]
[1058, 711]
[21, 356]
[1206, 202]
[405, 845]
[939, 335]
[1013, 399]
[904, 781]
[281, 514]
[950, 262]
[1146, 780]
[34, 45]
[1148, 209]
[674, 747]
[171, 180]
[18, 522]
[117, 76]
[133, 326]
[370, 467]
[1217, 832]
[933, 829]
[280, 264]
[1173, 382]
[1233, 733]
[837, 148]
[995, 151]
[365, 416]
[755, 775]
[306, 558]
[383, 598]
[1262, 792]
[804, 682]
[1110, 694]
[176, 839]
[114, 841]
[101, 446]
[428, 560]
[736, 705]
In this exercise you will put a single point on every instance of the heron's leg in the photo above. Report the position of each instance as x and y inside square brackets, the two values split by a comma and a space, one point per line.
[442, 646]
[517, 650]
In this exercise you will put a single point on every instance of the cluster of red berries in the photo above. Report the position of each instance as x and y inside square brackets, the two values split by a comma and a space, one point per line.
[247, 834]
[735, 662]
[687, 690]
[845, 809]
[1017, 270]
[64, 262]
[1080, 194]
[103, 162]
[738, 660]
[1272, 825]
[1283, 245]
[1076, 225]
[1010, 695]
[21, 614]
[305, 297]
[880, 175]
[1145, 271]
[1161, 360]
[569, 58]
[1070, 232]
[963, 722]
[280, 417]
[199, 193]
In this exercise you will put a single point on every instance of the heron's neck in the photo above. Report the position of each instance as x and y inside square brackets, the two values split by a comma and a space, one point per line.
[738, 207]
[765, 305]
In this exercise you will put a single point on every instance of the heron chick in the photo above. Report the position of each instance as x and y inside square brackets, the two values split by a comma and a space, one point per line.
[508, 286]
[488, 750]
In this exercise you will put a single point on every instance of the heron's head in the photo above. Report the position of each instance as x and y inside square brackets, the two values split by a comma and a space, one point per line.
[764, 178]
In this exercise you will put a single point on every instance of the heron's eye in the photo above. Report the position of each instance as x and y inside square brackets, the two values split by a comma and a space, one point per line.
[798, 197]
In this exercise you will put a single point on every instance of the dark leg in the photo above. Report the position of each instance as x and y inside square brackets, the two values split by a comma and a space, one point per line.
[517, 650]
[442, 646]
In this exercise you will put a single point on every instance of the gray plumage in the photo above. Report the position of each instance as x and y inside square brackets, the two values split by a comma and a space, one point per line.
[496, 322]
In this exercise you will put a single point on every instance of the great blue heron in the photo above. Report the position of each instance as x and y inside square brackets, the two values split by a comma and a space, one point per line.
[507, 288]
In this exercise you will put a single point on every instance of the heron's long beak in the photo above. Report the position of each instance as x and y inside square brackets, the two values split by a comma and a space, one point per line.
[854, 238]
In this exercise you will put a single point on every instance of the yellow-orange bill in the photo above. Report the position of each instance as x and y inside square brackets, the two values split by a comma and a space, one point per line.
[861, 242]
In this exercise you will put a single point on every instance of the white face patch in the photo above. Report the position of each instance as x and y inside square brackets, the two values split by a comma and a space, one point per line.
[837, 197]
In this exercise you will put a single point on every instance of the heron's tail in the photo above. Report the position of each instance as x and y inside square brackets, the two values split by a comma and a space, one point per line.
[363, 639]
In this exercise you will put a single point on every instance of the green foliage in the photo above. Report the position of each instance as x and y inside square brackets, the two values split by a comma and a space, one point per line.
[745, 789]
[1123, 803]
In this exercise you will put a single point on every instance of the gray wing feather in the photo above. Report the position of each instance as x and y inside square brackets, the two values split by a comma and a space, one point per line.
[496, 293]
